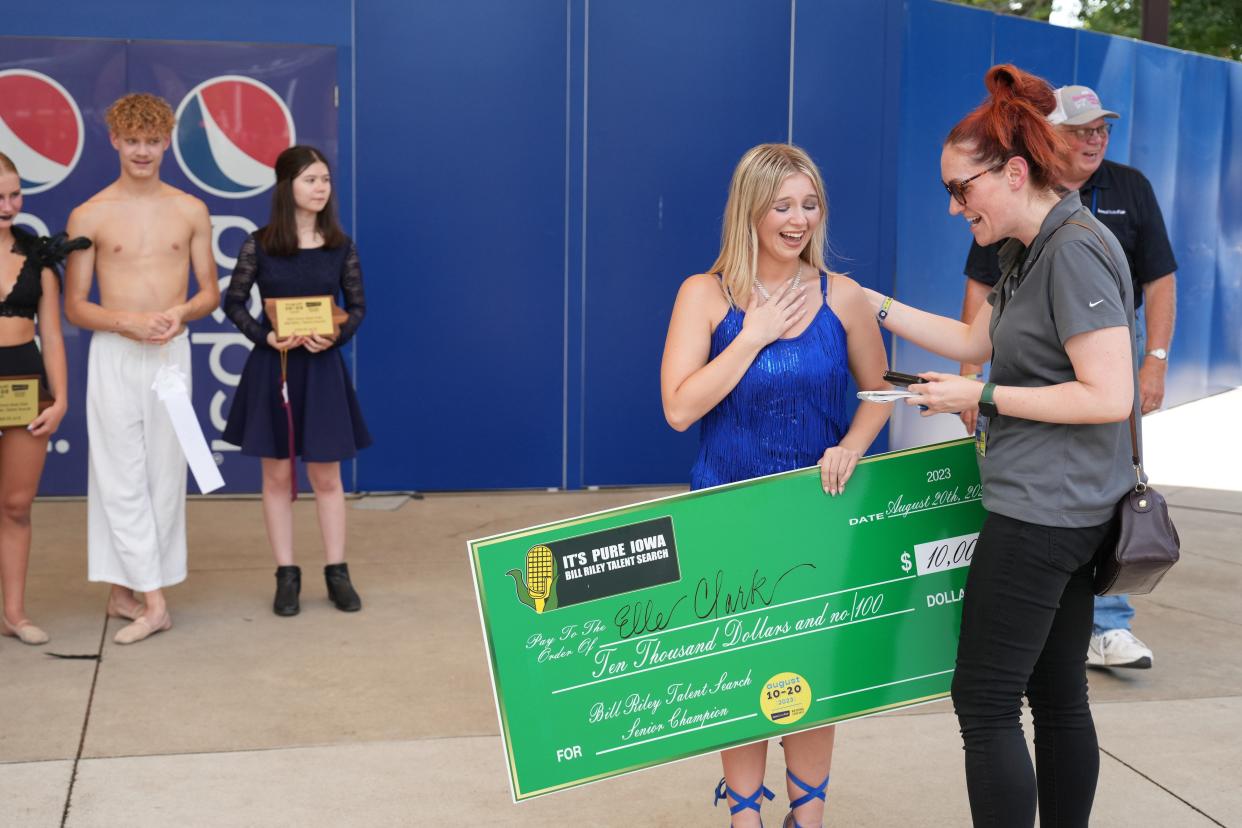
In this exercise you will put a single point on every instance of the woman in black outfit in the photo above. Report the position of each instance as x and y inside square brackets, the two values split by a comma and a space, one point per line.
[28, 287]
[302, 251]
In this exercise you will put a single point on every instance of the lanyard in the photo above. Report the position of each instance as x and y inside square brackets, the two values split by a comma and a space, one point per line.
[284, 402]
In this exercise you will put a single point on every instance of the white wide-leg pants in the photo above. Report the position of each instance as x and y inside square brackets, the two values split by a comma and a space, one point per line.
[136, 491]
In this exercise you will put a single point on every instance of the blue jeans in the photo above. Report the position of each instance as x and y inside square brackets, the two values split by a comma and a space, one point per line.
[1113, 612]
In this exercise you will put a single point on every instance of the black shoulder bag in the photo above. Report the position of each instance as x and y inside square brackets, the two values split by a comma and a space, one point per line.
[1147, 544]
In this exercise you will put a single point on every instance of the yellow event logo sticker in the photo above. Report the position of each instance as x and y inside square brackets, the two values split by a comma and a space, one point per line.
[785, 698]
[538, 586]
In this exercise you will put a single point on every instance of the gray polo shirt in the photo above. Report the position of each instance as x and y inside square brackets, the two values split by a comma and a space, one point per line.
[1065, 284]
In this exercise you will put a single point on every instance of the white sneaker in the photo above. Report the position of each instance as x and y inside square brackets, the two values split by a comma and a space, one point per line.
[1118, 648]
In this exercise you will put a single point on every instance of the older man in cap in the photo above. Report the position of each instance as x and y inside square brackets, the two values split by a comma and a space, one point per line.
[1122, 198]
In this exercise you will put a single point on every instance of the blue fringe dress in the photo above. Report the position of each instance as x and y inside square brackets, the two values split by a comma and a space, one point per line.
[787, 408]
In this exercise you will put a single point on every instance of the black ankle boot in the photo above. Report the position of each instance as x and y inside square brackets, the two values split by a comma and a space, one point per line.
[340, 590]
[288, 585]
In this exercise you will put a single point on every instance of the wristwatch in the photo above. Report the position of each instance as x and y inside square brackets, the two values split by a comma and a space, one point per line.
[986, 407]
[1158, 353]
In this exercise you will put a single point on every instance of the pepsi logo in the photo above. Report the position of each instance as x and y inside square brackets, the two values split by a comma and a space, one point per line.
[229, 131]
[40, 128]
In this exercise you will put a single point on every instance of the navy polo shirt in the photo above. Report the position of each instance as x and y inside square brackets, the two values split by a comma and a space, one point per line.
[1122, 199]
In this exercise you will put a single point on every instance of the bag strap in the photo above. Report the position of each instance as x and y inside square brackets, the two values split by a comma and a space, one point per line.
[1135, 451]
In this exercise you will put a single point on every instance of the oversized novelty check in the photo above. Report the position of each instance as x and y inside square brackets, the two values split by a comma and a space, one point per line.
[655, 632]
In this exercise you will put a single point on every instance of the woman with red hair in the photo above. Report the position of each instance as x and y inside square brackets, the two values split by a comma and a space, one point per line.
[1054, 450]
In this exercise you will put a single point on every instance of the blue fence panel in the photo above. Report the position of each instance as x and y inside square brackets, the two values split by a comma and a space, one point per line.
[1195, 222]
[939, 86]
[539, 177]
[462, 221]
[847, 65]
[1048, 51]
[676, 93]
[1226, 348]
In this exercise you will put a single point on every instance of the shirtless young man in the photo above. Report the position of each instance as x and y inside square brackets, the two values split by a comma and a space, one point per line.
[146, 237]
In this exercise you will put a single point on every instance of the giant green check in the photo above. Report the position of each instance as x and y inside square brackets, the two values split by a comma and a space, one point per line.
[654, 632]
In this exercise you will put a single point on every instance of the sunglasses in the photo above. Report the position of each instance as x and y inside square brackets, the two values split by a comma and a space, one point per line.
[958, 187]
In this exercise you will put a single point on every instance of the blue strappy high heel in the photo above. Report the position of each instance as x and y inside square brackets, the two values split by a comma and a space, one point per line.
[813, 792]
[743, 802]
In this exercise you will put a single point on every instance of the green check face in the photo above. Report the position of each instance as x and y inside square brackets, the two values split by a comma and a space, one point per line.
[686, 625]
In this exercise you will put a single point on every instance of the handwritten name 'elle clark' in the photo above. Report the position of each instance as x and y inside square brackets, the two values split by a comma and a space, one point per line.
[710, 599]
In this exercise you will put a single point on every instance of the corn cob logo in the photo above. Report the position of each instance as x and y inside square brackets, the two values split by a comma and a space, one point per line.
[536, 588]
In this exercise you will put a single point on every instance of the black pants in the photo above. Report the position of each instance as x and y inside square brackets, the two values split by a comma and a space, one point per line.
[1026, 623]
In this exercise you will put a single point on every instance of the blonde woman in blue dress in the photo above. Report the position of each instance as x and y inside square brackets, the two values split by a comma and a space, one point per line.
[760, 350]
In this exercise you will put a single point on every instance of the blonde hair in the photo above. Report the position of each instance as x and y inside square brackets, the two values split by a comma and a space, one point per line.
[141, 114]
[6, 164]
[756, 181]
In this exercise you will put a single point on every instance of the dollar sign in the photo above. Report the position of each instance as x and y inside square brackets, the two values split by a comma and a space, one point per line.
[905, 562]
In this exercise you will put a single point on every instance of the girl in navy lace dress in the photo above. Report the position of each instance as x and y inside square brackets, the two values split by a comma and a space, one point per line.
[301, 252]
[28, 288]
[760, 349]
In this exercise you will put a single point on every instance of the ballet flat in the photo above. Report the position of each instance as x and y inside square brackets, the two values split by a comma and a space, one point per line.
[24, 632]
[141, 629]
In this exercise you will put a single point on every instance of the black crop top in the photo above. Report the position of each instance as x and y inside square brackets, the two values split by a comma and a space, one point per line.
[40, 252]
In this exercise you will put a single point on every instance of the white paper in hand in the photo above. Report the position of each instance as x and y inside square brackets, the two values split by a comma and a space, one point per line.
[174, 391]
[885, 396]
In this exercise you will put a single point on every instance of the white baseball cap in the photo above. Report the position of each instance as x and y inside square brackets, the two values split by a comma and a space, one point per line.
[1077, 105]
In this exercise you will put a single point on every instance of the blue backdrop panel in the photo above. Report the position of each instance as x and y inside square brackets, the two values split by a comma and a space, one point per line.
[585, 147]
[91, 75]
[1048, 51]
[1226, 368]
[940, 85]
[676, 93]
[847, 64]
[461, 223]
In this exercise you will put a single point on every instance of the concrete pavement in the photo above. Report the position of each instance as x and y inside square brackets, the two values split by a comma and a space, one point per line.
[239, 718]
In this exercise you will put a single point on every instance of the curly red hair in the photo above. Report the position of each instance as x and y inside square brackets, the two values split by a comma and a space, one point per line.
[140, 114]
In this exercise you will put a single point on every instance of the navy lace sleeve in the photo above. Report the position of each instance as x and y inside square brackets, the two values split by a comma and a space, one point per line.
[355, 298]
[238, 295]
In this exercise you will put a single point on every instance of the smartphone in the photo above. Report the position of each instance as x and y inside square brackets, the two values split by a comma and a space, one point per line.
[903, 380]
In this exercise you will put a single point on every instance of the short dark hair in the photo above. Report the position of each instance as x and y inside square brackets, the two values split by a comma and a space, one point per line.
[279, 236]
